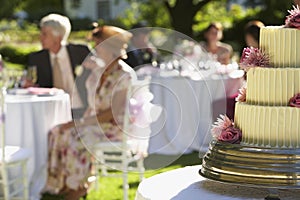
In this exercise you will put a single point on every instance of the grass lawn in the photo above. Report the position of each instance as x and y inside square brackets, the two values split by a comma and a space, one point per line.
[111, 188]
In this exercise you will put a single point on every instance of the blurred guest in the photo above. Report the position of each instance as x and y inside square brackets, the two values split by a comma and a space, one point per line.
[69, 161]
[141, 51]
[252, 32]
[213, 34]
[59, 62]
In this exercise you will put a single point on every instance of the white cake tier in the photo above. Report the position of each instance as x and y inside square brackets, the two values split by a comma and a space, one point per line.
[282, 45]
[272, 86]
[268, 126]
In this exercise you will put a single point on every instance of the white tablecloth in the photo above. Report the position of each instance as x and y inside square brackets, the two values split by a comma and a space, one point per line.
[28, 121]
[186, 120]
[186, 184]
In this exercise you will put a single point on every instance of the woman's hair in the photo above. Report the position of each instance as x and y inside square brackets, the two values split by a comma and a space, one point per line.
[114, 38]
[105, 32]
[252, 28]
[215, 25]
[59, 24]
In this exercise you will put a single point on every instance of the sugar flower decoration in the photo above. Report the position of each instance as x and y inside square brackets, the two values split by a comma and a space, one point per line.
[293, 20]
[242, 94]
[224, 130]
[231, 135]
[295, 101]
[253, 57]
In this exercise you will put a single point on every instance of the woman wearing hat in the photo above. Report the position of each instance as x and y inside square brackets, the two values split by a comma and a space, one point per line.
[69, 159]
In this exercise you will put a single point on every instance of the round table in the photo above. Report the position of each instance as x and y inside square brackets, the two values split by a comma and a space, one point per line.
[188, 108]
[27, 123]
[186, 183]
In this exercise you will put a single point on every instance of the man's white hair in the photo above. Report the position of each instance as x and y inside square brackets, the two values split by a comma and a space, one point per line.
[59, 24]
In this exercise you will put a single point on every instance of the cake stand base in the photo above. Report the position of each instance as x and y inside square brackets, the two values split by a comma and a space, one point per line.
[272, 168]
[273, 194]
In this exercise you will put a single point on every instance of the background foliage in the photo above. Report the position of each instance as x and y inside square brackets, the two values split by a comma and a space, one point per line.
[189, 17]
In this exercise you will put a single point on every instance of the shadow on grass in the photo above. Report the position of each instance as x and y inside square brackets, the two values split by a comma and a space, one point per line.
[158, 161]
[152, 163]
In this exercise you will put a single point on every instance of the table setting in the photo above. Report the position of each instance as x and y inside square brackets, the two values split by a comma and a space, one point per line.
[185, 85]
[28, 121]
[30, 113]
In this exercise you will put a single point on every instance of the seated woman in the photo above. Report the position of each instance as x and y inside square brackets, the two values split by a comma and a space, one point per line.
[213, 34]
[69, 159]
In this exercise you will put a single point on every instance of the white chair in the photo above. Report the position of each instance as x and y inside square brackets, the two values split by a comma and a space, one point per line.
[118, 156]
[14, 182]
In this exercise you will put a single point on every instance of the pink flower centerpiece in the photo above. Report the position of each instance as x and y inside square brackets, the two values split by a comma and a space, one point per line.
[253, 57]
[224, 130]
[295, 101]
[293, 20]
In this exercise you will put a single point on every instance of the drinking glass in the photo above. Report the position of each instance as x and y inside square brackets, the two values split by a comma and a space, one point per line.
[32, 74]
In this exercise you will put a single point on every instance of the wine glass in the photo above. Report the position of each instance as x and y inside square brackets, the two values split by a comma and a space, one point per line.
[32, 74]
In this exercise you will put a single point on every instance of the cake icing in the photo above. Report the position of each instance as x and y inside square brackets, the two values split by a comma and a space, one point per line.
[266, 118]
[282, 46]
[272, 86]
[268, 126]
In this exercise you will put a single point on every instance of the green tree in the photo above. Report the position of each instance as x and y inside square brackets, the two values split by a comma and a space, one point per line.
[8, 8]
[152, 12]
[274, 12]
[37, 9]
[186, 16]
[183, 12]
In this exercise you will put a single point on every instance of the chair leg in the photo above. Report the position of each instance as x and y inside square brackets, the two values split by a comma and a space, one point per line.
[98, 165]
[25, 181]
[103, 170]
[141, 168]
[125, 185]
[5, 183]
[97, 174]
[102, 164]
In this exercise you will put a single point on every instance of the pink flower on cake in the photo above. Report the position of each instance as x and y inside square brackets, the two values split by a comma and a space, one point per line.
[293, 20]
[253, 57]
[242, 94]
[224, 130]
[222, 123]
[295, 101]
[231, 135]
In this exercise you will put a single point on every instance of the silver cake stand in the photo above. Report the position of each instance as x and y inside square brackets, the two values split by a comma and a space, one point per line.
[272, 168]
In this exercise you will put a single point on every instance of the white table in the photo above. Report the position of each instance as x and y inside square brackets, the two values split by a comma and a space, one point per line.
[28, 121]
[186, 120]
[186, 183]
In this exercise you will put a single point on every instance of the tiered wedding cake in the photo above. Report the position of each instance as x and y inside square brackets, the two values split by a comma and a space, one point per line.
[266, 118]
[262, 145]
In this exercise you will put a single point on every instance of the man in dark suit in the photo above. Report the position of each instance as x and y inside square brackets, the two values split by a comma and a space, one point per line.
[141, 51]
[59, 64]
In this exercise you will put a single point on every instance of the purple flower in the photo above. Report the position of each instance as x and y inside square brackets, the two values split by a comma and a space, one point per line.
[231, 135]
[293, 20]
[295, 101]
[253, 57]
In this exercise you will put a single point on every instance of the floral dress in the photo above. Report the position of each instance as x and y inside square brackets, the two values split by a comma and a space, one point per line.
[69, 155]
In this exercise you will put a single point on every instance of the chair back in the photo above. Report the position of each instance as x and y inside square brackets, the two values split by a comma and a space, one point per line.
[2, 122]
[135, 129]
[137, 118]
